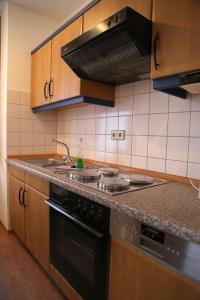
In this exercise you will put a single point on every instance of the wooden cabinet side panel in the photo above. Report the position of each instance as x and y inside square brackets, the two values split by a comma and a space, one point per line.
[135, 276]
[38, 183]
[97, 90]
[65, 83]
[104, 9]
[178, 24]
[37, 226]
[17, 218]
[40, 73]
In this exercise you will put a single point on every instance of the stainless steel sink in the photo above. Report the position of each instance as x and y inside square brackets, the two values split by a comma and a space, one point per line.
[44, 161]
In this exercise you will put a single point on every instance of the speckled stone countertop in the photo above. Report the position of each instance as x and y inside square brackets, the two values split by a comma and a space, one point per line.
[172, 207]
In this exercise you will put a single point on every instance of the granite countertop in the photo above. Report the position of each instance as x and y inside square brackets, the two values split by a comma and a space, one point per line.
[172, 207]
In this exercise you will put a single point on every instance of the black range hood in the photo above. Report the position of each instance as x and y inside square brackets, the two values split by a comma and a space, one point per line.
[116, 51]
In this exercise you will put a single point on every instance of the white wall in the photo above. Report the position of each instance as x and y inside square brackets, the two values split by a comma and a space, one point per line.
[22, 30]
[26, 30]
[3, 113]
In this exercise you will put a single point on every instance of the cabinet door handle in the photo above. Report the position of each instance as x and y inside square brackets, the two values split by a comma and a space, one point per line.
[45, 90]
[50, 88]
[155, 43]
[19, 195]
[23, 197]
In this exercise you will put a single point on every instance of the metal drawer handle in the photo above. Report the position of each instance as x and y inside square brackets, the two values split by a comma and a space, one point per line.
[50, 88]
[19, 195]
[45, 90]
[155, 43]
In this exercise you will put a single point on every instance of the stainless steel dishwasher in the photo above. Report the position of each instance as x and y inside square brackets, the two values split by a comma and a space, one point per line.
[178, 253]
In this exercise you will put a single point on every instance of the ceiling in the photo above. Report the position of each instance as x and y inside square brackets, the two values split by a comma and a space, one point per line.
[58, 10]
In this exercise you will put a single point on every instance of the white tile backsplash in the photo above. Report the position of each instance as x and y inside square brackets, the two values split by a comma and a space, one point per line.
[155, 164]
[176, 167]
[179, 124]
[139, 162]
[179, 105]
[158, 124]
[125, 106]
[177, 148]
[157, 146]
[194, 150]
[112, 124]
[194, 128]
[140, 124]
[27, 132]
[139, 145]
[162, 131]
[159, 102]
[125, 123]
[141, 104]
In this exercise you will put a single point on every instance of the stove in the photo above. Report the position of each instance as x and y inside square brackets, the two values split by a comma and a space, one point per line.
[111, 181]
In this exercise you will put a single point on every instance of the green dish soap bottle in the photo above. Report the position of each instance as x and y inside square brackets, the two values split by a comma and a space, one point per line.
[79, 163]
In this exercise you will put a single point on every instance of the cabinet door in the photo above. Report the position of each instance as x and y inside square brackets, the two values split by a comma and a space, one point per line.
[40, 77]
[37, 226]
[104, 9]
[178, 26]
[64, 82]
[16, 187]
[134, 276]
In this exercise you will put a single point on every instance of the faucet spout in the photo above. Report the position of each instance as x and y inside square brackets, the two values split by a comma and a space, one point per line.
[67, 157]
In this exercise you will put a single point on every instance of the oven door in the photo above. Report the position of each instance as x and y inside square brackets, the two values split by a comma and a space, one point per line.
[79, 253]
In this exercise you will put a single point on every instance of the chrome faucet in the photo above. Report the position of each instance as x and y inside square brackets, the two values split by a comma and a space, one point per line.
[67, 157]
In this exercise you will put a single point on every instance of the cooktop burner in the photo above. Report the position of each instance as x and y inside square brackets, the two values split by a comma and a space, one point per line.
[108, 171]
[84, 175]
[112, 184]
[111, 181]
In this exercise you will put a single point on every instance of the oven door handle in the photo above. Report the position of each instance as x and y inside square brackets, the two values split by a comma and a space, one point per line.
[81, 224]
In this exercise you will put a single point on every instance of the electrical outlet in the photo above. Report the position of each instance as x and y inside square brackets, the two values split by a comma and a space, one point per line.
[121, 134]
[113, 134]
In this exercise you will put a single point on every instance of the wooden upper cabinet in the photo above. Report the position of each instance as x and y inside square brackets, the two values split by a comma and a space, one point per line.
[64, 82]
[135, 276]
[40, 77]
[104, 9]
[178, 47]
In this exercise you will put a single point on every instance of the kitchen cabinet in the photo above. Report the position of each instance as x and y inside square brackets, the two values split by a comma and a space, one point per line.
[53, 80]
[104, 9]
[29, 214]
[176, 37]
[40, 78]
[135, 276]
[65, 83]
[37, 226]
[16, 188]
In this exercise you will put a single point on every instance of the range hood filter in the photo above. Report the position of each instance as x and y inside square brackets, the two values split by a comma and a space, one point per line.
[118, 55]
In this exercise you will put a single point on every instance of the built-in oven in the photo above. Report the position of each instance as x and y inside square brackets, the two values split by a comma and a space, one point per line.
[79, 242]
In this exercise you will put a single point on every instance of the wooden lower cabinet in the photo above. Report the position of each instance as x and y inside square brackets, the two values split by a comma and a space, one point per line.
[37, 226]
[30, 218]
[17, 218]
[135, 276]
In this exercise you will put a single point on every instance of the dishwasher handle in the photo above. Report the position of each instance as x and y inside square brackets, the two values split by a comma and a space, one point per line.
[76, 221]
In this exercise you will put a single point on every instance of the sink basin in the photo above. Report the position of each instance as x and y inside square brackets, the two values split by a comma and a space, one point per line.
[44, 161]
